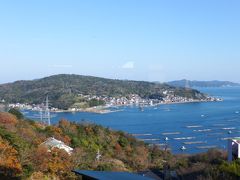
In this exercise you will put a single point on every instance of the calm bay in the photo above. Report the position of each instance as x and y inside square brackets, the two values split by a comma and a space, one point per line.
[196, 126]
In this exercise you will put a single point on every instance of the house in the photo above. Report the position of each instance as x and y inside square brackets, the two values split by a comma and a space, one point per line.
[51, 143]
[107, 175]
[233, 149]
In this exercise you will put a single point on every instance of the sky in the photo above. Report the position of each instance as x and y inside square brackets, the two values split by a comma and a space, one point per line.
[151, 40]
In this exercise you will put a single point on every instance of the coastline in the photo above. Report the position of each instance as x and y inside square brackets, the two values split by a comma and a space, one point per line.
[106, 110]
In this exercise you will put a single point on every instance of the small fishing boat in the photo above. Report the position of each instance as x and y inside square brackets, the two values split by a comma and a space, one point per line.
[183, 148]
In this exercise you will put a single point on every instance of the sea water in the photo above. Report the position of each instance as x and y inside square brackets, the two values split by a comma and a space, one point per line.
[196, 126]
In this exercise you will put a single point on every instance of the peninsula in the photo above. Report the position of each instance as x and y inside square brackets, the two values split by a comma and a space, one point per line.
[87, 93]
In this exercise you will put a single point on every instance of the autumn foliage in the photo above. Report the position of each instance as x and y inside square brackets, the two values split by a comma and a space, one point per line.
[8, 120]
[55, 161]
[21, 154]
[9, 162]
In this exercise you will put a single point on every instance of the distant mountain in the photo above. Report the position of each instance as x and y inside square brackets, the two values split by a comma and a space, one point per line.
[63, 90]
[187, 83]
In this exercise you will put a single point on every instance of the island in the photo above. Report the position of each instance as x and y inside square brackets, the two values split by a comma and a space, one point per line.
[215, 83]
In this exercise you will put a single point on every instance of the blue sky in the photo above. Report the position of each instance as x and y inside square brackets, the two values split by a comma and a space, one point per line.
[149, 40]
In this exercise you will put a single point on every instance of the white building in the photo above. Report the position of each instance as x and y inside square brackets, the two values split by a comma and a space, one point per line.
[51, 143]
[233, 149]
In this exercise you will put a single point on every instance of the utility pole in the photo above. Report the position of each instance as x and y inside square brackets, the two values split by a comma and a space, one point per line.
[41, 114]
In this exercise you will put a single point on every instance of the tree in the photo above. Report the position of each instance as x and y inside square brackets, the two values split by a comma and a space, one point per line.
[16, 113]
[8, 121]
[9, 163]
[54, 161]
[96, 102]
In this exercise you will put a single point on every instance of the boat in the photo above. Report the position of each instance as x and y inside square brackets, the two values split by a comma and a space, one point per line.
[166, 138]
[229, 132]
[183, 148]
[141, 108]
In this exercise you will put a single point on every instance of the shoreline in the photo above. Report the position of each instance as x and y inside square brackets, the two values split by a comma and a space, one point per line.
[106, 110]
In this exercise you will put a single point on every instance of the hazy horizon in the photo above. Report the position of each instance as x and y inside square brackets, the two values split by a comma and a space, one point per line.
[113, 78]
[136, 40]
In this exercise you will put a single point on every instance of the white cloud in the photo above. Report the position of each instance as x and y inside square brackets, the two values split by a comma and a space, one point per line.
[128, 65]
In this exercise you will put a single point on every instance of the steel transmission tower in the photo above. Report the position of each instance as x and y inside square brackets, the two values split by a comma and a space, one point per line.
[45, 116]
[47, 112]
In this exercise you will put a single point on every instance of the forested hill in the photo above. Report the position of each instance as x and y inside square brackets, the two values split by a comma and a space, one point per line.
[184, 83]
[22, 155]
[63, 89]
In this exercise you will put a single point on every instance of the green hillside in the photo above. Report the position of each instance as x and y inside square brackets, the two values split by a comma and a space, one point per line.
[63, 90]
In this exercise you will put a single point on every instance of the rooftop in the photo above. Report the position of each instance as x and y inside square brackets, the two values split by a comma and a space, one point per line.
[237, 140]
[54, 143]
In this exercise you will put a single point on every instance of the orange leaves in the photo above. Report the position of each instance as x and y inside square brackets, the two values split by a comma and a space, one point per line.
[67, 126]
[9, 163]
[54, 129]
[63, 123]
[7, 120]
[27, 133]
[118, 148]
[88, 130]
[55, 161]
